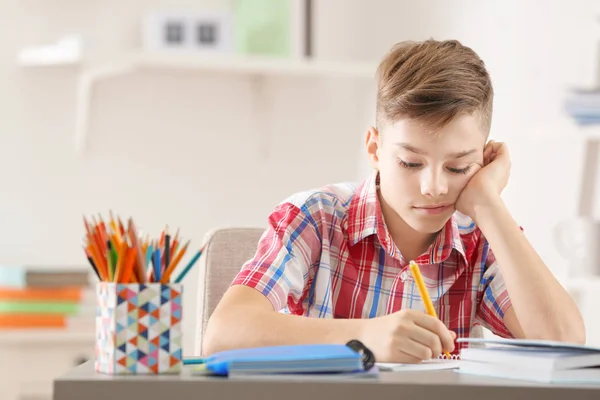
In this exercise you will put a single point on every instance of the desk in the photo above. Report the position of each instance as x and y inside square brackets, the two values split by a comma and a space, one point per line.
[83, 383]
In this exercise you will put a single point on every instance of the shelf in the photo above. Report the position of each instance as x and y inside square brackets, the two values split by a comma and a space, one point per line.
[591, 132]
[253, 65]
[65, 52]
[46, 336]
[221, 64]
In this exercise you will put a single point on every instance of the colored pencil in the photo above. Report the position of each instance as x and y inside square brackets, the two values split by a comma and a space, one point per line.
[189, 266]
[416, 273]
[121, 254]
[169, 270]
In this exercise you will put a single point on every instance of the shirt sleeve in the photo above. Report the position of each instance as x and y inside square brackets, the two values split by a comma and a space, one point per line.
[494, 300]
[287, 250]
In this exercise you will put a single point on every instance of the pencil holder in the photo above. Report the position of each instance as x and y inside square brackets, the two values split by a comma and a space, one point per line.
[138, 328]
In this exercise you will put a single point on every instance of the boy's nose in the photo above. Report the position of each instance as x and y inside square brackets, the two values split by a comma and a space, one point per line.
[434, 185]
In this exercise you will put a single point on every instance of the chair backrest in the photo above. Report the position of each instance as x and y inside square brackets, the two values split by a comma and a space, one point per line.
[226, 250]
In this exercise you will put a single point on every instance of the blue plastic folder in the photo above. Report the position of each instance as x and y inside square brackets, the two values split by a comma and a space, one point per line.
[295, 359]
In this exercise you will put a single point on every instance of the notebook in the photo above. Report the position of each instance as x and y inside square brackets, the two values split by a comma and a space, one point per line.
[527, 343]
[577, 375]
[535, 357]
[294, 359]
[425, 365]
[535, 360]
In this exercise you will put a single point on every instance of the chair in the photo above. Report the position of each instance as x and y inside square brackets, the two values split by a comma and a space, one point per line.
[226, 250]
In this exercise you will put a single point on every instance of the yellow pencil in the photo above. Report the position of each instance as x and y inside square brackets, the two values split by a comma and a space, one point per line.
[416, 273]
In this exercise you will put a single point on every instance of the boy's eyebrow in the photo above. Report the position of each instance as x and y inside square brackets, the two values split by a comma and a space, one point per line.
[416, 150]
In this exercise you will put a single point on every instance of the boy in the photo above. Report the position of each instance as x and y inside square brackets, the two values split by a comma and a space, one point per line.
[340, 254]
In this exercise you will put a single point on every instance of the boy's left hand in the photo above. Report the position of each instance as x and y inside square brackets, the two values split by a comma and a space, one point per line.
[488, 182]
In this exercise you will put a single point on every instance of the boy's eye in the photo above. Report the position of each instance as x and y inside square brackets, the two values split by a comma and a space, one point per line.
[409, 165]
[459, 170]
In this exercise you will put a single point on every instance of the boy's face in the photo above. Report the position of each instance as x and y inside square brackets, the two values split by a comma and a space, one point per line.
[421, 174]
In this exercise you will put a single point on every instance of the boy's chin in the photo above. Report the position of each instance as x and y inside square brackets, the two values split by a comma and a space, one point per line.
[429, 225]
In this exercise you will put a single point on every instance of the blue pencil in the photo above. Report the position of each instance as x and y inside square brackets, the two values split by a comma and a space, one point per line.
[188, 267]
[157, 269]
[148, 254]
[148, 260]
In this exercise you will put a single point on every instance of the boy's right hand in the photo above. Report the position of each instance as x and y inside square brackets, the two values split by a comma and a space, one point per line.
[407, 336]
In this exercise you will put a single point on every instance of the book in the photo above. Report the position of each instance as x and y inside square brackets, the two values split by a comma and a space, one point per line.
[533, 360]
[72, 294]
[535, 357]
[47, 321]
[31, 276]
[291, 359]
[590, 375]
[41, 307]
[527, 343]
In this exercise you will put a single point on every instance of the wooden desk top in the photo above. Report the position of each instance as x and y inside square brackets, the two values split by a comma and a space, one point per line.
[84, 383]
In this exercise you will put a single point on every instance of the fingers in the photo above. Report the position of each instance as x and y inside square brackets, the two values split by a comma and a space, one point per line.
[415, 347]
[427, 339]
[492, 150]
[437, 327]
[487, 152]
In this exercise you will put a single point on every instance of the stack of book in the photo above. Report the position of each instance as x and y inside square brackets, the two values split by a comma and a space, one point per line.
[532, 360]
[584, 106]
[44, 298]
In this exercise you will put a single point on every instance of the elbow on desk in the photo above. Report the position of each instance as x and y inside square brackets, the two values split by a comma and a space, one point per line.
[577, 336]
[573, 332]
[212, 340]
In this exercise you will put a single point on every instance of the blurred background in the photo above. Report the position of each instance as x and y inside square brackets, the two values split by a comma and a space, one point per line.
[206, 113]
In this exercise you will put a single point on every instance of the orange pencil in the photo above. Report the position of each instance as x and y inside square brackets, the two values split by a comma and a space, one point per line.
[92, 236]
[121, 252]
[173, 264]
[102, 227]
[162, 238]
[141, 269]
[98, 234]
[100, 261]
[94, 263]
[128, 265]
[175, 244]
[121, 227]
[113, 226]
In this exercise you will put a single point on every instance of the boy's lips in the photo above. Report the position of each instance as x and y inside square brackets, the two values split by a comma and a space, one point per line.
[435, 208]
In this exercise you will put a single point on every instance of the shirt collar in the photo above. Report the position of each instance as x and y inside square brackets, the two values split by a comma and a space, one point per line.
[365, 219]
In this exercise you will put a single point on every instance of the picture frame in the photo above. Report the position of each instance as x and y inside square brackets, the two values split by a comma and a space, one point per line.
[197, 31]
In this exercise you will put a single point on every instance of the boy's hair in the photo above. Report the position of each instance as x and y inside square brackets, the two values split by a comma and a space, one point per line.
[432, 82]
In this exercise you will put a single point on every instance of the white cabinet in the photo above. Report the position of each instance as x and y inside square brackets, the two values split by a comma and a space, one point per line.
[30, 360]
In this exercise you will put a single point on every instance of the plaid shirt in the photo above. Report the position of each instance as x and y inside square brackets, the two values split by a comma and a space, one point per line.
[328, 253]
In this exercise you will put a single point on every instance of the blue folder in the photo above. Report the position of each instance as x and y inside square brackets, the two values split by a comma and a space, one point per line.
[294, 359]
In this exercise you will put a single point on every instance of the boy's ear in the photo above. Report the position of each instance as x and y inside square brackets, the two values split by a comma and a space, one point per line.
[373, 144]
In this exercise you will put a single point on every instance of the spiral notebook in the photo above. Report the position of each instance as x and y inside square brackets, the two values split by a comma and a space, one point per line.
[352, 358]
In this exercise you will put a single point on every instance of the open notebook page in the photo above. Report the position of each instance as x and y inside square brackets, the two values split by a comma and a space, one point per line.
[426, 365]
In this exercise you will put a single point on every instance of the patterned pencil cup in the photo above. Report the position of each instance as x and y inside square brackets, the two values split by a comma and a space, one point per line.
[138, 328]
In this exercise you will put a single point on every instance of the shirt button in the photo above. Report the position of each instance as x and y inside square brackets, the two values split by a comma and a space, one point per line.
[403, 276]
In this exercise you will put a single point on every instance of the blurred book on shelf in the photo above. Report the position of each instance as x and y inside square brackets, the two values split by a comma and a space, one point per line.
[44, 298]
[583, 105]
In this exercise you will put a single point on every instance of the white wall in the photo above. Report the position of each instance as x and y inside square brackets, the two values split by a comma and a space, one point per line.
[535, 51]
[185, 149]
